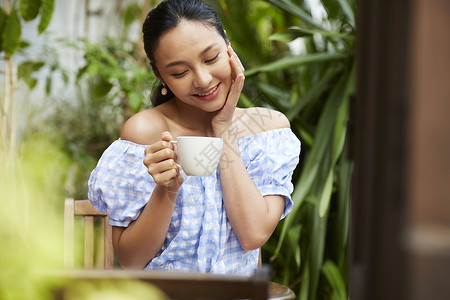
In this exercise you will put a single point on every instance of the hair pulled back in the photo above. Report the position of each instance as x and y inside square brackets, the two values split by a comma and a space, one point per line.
[167, 15]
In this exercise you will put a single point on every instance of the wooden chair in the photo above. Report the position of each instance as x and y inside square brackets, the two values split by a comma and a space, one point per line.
[98, 250]
[103, 256]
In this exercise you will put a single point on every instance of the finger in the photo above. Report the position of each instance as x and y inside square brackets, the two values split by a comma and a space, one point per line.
[237, 69]
[233, 59]
[237, 86]
[237, 64]
[165, 177]
[152, 159]
[166, 136]
[160, 155]
[162, 167]
[158, 146]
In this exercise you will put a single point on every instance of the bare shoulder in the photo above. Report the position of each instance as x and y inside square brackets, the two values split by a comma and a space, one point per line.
[144, 127]
[260, 119]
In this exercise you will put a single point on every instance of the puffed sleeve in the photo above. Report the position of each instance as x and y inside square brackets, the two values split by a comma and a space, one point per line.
[272, 158]
[120, 184]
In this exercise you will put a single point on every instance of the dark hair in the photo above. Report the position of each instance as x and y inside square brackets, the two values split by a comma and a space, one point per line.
[167, 15]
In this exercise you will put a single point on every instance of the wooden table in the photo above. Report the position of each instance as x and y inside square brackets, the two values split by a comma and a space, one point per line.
[174, 285]
[179, 285]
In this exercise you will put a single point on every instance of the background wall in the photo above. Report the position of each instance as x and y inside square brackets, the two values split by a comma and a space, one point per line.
[429, 144]
[400, 232]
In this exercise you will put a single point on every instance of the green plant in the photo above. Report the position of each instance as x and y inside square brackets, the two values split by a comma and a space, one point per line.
[308, 251]
[12, 15]
[109, 86]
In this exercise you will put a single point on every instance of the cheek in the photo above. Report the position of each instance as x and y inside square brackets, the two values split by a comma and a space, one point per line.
[225, 70]
[176, 87]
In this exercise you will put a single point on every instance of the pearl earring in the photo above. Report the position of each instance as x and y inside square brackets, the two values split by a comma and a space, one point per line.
[163, 90]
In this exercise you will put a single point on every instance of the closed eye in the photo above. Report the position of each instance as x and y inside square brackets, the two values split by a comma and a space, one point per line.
[212, 59]
[179, 74]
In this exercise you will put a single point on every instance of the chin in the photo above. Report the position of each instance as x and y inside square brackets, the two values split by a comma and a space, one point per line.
[217, 105]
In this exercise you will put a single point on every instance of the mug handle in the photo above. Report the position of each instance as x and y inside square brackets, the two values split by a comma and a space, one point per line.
[174, 143]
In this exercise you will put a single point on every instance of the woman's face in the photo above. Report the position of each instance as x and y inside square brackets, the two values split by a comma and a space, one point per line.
[193, 62]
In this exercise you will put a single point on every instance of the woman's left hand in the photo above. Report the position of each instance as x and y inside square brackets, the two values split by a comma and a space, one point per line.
[222, 119]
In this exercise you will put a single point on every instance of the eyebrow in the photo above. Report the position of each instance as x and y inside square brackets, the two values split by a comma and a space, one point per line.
[180, 62]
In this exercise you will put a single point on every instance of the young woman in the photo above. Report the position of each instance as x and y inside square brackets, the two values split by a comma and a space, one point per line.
[163, 219]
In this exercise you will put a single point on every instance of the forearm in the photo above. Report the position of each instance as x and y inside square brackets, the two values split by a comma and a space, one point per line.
[139, 243]
[252, 216]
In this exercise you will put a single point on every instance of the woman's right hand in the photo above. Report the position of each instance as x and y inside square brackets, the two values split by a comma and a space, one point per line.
[160, 160]
[133, 249]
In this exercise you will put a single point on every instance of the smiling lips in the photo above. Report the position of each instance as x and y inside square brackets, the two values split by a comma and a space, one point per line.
[209, 95]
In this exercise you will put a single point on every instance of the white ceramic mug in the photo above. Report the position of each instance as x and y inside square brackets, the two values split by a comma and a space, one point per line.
[198, 155]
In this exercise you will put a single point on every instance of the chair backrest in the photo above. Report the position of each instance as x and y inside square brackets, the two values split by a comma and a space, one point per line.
[98, 249]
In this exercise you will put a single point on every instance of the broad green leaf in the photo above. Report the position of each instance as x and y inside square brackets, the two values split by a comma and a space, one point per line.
[81, 72]
[334, 278]
[24, 44]
[304, 284]
[315, 91]
[341, 123]
[2, 26]
[296, 32]
[93, 69]
[47, 9]
[294, 96]
[340, 129]
[291, 61]
[305, 137]
[30, 81]
[346, 8]
[48, 85]
[65, 76]
[324, 131]
[100, 87]
[295, 10]
[333, 9]
[294, 238]
[135, 101]
[29, 9]
[287, 36]
[344, 172]
[301, 190]
[277, 97]
[28, 67]
[312, 198]
[11, 33]
[131, 14]
[317, 242]
[25, 71]
[324, 200]
[244, 101]
[320, 146]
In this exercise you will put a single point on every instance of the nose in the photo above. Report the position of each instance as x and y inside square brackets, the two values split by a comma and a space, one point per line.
[202, 79]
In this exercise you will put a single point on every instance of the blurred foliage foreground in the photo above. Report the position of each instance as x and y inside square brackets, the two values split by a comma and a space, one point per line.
[31, 231]
[298, 64]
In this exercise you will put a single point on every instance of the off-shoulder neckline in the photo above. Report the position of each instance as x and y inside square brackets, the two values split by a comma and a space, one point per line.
[239, 139]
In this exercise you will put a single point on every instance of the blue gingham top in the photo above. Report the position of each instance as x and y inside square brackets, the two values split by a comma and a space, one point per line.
[200, 237]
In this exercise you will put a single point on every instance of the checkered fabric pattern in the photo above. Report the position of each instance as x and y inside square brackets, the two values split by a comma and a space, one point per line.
[200, 237]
